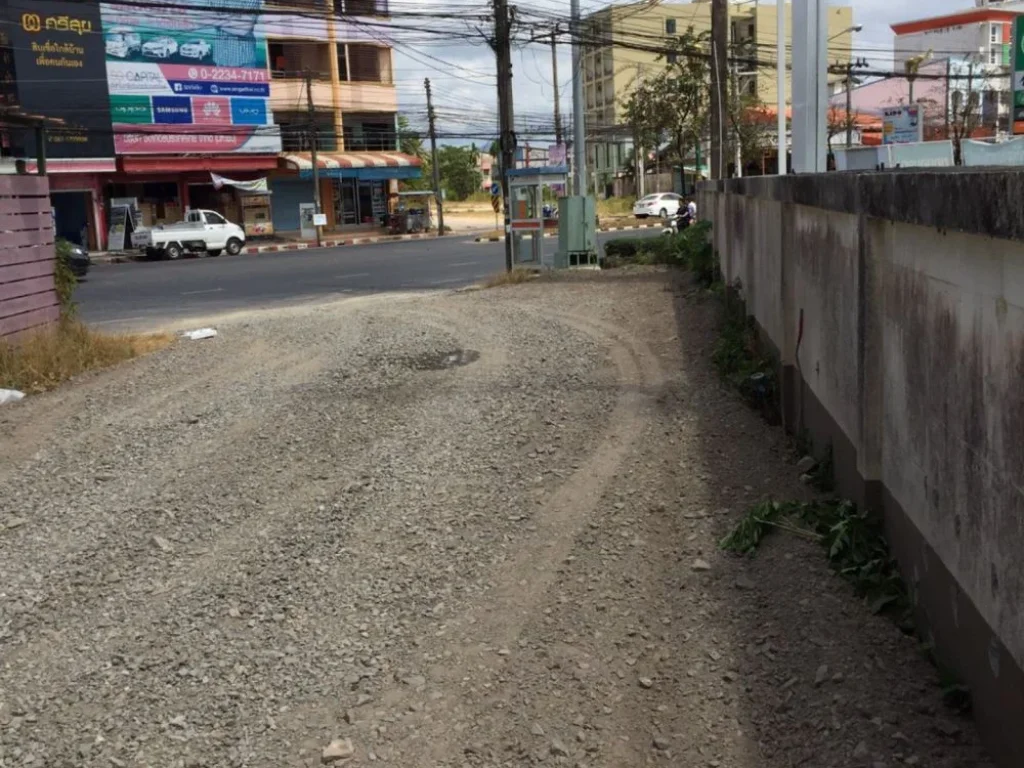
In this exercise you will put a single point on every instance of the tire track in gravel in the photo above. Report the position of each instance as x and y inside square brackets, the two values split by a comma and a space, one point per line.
[520, 585]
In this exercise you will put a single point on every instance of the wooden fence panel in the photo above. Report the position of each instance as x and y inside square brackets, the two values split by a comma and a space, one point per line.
[27, 295]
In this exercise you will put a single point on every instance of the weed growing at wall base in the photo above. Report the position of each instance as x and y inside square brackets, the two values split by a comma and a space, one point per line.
[739, 358]
[853, 540]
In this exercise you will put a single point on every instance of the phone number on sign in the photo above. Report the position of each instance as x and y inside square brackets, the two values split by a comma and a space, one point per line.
[228, 75]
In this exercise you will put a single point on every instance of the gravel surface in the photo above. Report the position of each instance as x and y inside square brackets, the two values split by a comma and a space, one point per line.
[456, 529]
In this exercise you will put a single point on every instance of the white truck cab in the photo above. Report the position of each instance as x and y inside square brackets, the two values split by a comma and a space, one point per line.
[202, 231]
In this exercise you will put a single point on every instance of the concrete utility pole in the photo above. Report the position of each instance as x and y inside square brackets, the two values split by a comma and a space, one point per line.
[579, 139]
[554, 85]
[849, 104]
[313, 140]
[438, 198]
[781, 163]
[719, 78]
[507, 141]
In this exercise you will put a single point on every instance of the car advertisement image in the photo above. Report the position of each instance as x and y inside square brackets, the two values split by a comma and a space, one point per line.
[174, 76]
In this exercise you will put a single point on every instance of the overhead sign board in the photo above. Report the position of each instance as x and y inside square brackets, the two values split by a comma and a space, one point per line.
[54, 66]
[188, 79]
[903, 124]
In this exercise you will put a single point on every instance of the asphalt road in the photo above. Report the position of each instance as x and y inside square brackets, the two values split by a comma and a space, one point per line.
[145, 295]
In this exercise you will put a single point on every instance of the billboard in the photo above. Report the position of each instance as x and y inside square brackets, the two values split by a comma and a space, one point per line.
[188, 79]
[53, 65]
[903, 125]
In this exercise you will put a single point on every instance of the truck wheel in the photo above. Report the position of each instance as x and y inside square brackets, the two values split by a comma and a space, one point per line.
[234, 246]
[213, 252]
[172, 251]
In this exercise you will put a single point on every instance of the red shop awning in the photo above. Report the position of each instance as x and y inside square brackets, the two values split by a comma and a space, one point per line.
[186, 163]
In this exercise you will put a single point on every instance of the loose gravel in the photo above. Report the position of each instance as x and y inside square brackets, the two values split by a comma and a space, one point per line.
[454, 529]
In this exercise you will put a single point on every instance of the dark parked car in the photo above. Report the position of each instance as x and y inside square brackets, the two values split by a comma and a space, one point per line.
[77, 257]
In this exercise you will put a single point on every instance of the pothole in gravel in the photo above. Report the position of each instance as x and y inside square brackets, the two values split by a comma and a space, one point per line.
[442, 362]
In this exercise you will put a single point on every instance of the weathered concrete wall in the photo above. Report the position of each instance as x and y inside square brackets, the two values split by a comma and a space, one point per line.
[896, 302]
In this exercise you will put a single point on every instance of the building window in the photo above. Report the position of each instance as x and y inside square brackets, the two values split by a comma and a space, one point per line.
[993, 55]
[670, 26]
[994, 34]
[670, 58]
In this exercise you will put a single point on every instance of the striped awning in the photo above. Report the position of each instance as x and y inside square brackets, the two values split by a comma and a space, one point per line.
[300, 161]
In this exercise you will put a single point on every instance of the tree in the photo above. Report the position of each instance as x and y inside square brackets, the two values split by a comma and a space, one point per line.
[460, 175]
[680, 92]
[409, 142]
[964, 116]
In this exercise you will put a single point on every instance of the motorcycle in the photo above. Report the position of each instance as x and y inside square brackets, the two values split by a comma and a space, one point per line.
[678, 223]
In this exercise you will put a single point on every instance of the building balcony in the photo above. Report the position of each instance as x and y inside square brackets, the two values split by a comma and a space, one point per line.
[368, 97]
[289, 88]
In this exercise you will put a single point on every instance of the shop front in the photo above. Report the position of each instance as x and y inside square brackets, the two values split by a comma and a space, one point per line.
[76, 198]
[161, 189]
[354, 192]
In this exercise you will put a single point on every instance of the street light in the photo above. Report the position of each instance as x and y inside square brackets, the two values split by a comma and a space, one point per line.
[854, 28]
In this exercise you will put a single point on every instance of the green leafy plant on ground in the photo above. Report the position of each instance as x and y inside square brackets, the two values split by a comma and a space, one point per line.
[64, 279]
[690, 248]
[740, 359]
[853, 539]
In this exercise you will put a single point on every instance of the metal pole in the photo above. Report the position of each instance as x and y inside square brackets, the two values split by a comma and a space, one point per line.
[433, 159]
[719, 46]
[313, 141]
[579, 171]
[849, 103]
[780, 11]
[554, 85]
[502, 47]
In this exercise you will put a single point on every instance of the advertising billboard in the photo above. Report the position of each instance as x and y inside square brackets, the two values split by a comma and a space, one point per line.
[902, 125]
[186, 79]
[54, 66]
[1017, 60]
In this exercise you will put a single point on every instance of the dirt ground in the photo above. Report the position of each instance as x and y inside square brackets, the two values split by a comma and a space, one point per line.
[456, 529]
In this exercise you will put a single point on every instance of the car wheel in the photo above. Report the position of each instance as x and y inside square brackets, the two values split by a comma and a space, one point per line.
[663, 213]
[234, 246]
[213, 252]
[173, 251]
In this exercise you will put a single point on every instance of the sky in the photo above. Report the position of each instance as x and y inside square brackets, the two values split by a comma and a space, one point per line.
[463, 82]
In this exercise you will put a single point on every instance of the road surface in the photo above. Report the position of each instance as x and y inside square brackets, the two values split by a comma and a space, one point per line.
[149, 294]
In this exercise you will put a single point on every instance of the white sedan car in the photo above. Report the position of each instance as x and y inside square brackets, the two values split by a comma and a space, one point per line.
[662, 204]
[160, 47]
[196, 49]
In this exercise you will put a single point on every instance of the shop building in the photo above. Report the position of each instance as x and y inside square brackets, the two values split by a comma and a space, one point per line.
[172, 108]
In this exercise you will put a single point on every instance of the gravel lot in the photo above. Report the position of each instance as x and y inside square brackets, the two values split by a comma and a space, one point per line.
[452, 529]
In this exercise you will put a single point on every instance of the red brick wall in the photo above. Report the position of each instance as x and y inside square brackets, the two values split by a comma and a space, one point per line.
[27, 296]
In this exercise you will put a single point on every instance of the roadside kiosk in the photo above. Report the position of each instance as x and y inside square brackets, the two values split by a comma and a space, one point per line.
[527, 220]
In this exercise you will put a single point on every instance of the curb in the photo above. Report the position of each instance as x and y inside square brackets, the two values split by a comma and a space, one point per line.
[599, 229]
[127, 257]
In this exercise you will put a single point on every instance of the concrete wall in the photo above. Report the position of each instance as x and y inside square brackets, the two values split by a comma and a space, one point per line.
[896, 302]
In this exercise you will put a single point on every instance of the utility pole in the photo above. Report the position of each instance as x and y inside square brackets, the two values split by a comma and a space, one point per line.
[554, 85]
[433, 159]
[737, 108]
[313, 140]
[507, 141]
[719, 48]
[781, 162]
[579, 139]
[849, 104]
[948, 96]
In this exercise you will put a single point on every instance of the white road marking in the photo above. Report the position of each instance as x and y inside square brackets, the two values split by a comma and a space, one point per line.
[354, 274]
[447, 282]
[196, 293]
[463, 264]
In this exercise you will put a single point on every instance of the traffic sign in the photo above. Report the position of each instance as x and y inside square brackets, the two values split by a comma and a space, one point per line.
[496, 203]
[495, 189]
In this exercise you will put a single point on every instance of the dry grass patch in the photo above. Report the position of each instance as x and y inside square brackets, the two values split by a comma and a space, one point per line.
[515, 277]
[43, 359]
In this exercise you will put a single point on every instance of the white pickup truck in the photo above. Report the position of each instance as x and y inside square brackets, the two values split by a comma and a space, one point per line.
[201, 231]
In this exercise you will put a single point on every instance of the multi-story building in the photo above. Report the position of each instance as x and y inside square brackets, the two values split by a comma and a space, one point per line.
[631, 35]
[172, 106]
[977, 43]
